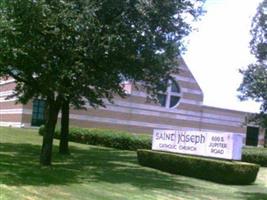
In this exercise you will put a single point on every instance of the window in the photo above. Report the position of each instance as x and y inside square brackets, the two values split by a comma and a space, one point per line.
[38, 112]
[171, 97]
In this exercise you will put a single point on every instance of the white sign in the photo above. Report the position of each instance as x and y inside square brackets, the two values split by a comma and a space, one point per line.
[209, 144]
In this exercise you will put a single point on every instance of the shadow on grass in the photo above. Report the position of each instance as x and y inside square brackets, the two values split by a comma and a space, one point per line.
[255, 196]
[19, 165]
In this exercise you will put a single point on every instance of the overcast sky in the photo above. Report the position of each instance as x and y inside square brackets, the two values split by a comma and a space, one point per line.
[219, 48]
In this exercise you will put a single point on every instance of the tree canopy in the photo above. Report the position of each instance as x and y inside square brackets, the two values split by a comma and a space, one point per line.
[82, 50]
[254, 84]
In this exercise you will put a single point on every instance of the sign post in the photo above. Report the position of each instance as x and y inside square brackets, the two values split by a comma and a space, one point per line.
[209, 144]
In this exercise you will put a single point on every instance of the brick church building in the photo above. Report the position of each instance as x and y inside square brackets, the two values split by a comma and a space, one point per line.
[180, 107]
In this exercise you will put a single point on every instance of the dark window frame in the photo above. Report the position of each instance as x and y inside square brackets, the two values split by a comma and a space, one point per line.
[38, 112]
[173, 91]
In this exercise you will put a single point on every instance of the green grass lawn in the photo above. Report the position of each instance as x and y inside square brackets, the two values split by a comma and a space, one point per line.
[99, 173]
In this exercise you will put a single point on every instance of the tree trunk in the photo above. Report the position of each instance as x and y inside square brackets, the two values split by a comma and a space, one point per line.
[64, 132]
[52, 110]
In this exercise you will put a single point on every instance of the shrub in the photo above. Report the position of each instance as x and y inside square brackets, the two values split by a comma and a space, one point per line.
[220, 171]
[41, 130]
[128, 141]
[107, 138]
[256, 155]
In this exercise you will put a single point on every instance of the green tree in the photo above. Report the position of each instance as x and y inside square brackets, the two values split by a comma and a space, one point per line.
[73, 52]
[254, 84]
